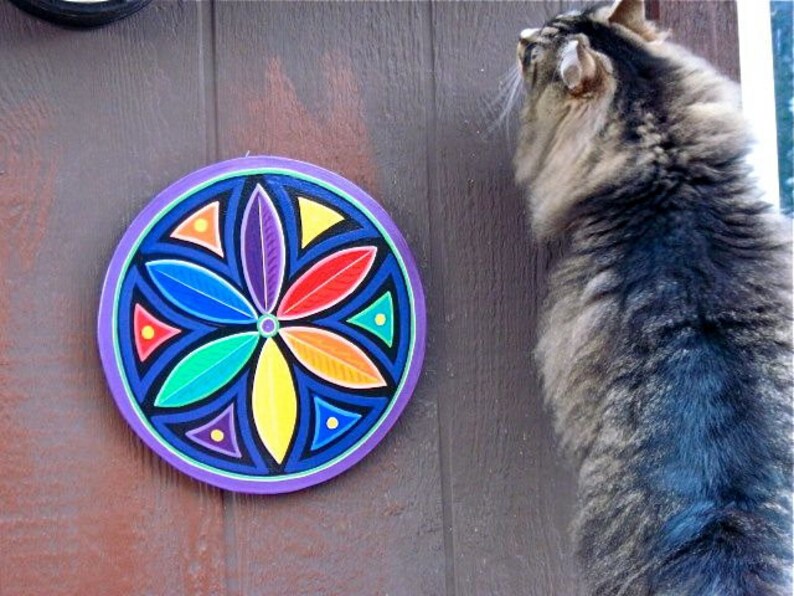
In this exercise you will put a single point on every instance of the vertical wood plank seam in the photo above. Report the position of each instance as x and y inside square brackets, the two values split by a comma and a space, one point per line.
[209, 62]
[438, 309]
[653, 10]
[207, 18]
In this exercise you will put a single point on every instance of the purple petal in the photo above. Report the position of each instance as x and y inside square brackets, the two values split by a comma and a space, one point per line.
[262, 250]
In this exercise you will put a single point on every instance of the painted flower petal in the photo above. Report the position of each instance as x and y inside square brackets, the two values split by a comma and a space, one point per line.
[332, 357]
[206, 369]
[330, 281]
[200, 292]
[274, 401]
[263, 253]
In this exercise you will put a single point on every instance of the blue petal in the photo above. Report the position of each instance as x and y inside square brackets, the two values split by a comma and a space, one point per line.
[200, 292]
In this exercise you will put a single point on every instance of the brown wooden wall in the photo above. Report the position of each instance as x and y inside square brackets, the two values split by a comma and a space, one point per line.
[467, 494]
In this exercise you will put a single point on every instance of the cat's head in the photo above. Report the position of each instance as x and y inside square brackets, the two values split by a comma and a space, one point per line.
[606, 97]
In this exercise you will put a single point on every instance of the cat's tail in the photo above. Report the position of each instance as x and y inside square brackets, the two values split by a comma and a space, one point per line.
[714, 550]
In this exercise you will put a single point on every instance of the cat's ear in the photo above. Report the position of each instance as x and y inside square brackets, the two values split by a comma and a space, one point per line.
[631, 15]
[580, 67]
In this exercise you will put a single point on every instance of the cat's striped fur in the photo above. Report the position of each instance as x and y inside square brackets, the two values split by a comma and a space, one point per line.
[666, 347]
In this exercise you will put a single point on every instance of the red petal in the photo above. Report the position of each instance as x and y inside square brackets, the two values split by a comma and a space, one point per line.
[328, 282]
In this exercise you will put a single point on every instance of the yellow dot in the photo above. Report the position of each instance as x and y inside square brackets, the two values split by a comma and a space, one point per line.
[200, 225]
[147, 332]
[332, 423]
[380, 319]
[217, 435]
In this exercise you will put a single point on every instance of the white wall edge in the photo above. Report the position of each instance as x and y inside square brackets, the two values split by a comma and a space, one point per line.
[758, 91]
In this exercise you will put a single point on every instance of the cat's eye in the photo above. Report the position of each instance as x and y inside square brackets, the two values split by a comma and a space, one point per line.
[530, 54]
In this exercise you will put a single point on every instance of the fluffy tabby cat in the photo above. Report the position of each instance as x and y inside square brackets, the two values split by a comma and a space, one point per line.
[666, 346]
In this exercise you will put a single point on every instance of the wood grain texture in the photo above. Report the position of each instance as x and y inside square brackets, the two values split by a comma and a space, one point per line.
[510, 495]
[707, 27]
[92, 125]
[467, 494]
[344, 86]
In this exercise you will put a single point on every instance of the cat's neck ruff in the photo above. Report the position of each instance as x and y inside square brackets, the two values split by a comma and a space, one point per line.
[697, 139]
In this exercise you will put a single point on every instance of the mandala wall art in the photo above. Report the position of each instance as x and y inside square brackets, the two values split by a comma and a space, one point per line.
[262, 325]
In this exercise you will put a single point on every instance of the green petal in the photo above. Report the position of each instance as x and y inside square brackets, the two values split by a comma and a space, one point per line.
[206, 369]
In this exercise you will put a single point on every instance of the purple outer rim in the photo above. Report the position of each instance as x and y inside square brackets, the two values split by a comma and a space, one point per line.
[105, 322]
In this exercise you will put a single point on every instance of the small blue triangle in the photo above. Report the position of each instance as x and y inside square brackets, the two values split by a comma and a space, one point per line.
[330, 422]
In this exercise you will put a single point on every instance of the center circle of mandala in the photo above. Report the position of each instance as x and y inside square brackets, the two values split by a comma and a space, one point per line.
[267, 325]
[263, 332]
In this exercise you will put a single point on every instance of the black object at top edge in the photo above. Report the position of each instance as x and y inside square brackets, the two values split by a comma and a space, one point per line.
[79, 14]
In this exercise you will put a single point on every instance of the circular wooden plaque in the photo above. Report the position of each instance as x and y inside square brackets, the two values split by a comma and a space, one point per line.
[262, 324]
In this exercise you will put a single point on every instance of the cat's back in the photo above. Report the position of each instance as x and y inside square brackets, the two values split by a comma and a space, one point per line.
[666, 354]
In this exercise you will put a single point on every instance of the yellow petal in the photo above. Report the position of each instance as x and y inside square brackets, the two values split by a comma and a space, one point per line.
[274, 402]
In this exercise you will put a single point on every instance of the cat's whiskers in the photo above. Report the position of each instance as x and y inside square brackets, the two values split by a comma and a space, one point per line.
[501, 109]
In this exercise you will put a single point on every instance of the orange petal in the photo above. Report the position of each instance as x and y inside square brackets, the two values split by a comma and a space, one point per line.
[332, 357]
